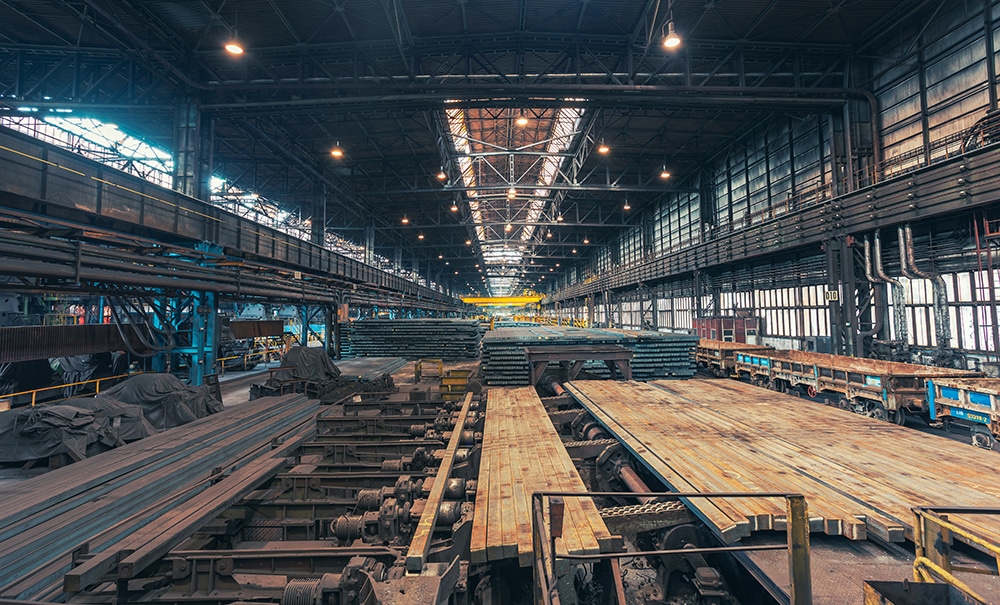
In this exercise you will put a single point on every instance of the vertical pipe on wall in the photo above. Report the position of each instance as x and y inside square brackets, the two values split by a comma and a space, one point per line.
[942, 319]
[878, 294]
[898, 295]
[991, 72]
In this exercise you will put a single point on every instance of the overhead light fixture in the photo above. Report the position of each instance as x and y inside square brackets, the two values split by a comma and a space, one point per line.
[559, 218]
[603, 148]
[548, 235]
[233, 46]
[574, 250]
[454, 207]
[337, 152]
[442, 175]
[420, 236]
[406, 221]
[627, 206]
[663, 172]
[586, 240]
[670, 39]
[440, 255]
[511, 193]
[521, 120]
[508, 227]
[468, 242]
[557, 264]
[456, 272]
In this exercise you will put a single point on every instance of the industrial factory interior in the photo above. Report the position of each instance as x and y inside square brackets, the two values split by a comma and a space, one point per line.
[499, 302]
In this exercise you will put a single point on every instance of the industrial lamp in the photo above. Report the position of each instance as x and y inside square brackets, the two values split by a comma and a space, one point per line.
[233, 45]
[670, 39]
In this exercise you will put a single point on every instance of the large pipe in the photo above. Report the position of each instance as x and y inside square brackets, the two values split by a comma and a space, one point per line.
[878, 294]
[898, 295]
[942, 319]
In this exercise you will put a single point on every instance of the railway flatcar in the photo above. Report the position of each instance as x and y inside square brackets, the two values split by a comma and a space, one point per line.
[970, 402]
[886, 390]
[719, 356]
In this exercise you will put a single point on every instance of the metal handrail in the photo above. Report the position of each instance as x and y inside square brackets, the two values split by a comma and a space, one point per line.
[932, 535]
[265, 356]
[544, 543]
[34, 392]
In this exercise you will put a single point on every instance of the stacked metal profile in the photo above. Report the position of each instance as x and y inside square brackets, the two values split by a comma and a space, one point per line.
[656, 354]
[131, 505]
[411, 338]
[370, 367]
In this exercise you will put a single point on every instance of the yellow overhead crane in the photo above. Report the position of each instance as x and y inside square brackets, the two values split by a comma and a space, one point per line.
[502, 301]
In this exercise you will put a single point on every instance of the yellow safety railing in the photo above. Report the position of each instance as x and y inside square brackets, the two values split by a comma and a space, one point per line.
[264, 356]
[933, 533]
[34, 392]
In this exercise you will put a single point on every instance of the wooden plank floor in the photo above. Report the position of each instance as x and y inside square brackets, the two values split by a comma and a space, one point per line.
[860, 476]
[522, 454]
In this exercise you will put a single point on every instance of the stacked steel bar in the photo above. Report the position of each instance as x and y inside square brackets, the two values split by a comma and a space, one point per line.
[147, 492]
[411, 338]
[370, 367]
[656, 354]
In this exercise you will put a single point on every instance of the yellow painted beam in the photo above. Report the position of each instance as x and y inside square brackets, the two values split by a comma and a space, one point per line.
[501, 301]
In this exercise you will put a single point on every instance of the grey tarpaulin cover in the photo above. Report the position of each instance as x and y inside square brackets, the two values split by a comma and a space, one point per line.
[310, 364]
[165, 400]
[78, 427]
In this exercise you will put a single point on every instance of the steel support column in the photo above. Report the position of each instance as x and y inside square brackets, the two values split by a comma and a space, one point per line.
[318, 222]
[192, 149]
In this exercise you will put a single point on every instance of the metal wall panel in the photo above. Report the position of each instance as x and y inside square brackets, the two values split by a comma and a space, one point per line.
[26, 343]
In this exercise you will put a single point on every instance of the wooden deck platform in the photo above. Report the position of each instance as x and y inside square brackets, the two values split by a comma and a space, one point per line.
[522, 454]
[860, 476]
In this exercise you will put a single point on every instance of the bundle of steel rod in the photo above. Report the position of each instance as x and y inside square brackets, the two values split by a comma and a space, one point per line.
[370, 367]
[656, 354]
[145, 497]
[411, 338]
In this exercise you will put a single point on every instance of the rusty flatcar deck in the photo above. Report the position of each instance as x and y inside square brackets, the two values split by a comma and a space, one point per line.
[860, 476]
[522, 454]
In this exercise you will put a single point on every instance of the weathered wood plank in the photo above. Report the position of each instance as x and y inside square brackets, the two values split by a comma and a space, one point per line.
[859, 475]
[523, 454]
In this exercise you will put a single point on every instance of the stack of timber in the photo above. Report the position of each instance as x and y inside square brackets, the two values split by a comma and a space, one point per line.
[656, 354]
[522, 454]
[130, 506]
[411, 338]
[860, 476]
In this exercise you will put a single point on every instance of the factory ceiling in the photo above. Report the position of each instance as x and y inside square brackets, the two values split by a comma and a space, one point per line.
[488, 140]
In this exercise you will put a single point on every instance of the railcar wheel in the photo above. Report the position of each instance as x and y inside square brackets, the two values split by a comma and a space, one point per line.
[878, 412]
[844, 403]
[981, 437]
[900, 417]
[811, 391]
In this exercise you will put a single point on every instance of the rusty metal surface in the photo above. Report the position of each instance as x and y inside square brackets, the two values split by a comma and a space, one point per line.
[257, 329]
[25, 343]
[725, 345]
[870, 366]
[982, 385]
